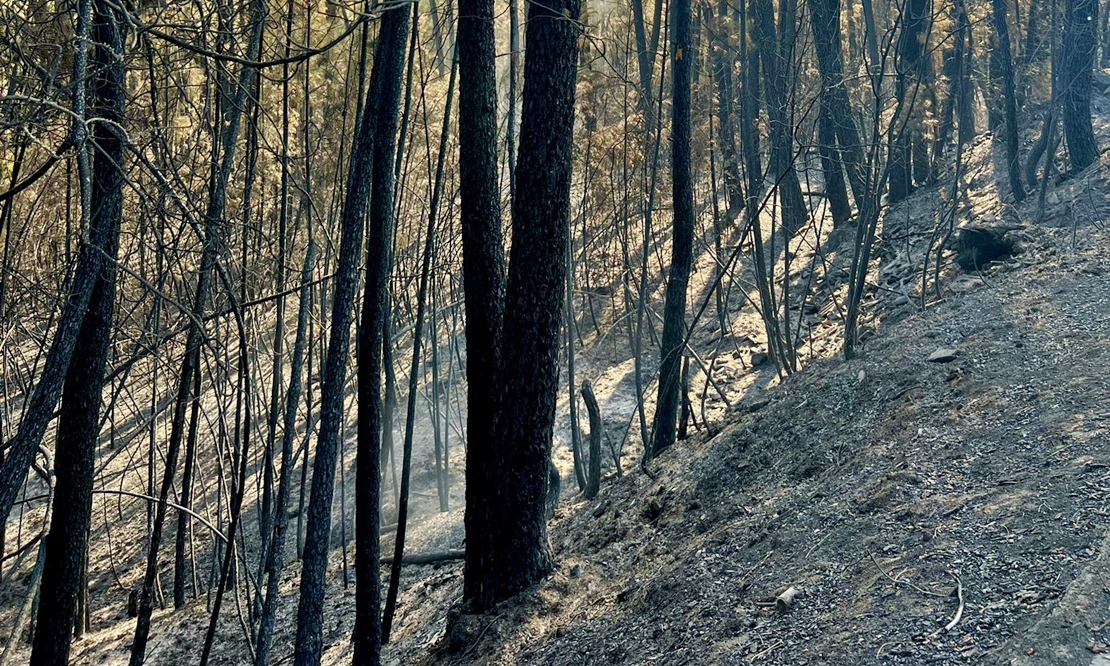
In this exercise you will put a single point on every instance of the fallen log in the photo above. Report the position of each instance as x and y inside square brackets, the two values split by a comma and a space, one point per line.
[428, 558]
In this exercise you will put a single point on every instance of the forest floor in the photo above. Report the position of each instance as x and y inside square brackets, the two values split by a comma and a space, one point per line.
[927, 512]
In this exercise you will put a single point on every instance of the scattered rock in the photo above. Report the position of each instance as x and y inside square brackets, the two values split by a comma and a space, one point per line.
[902, 300]
[653, 510]
[758, 404]
[943, 355]
[758, 359]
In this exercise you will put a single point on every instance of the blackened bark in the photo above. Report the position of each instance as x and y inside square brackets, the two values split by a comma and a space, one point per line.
[957, 70]
[835, 191]
[749, 114]
[682, 239]
[1009, 99]
[909, 65]
[722, 76]
[20, 449]
[275, 557]
[776, 71]
[180, 573]
[825, 19]
[644, 55]
[516, 550]
[593, 477]
[484, 278]
[389, 66]
[310, 606]
[79, 423]
[1080, 26]
[414, 372]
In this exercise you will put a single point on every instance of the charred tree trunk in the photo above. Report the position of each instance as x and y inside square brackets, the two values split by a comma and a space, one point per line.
[1080, 41]
[514, 553]
[836, 107]
[79, 422]
[835, 191]
[682, 239]
[911, 53]
[776, 73]
[310, 607]
[723, 77]
[1009, 99]
[389, 66]
[593, 476]
[484, 275]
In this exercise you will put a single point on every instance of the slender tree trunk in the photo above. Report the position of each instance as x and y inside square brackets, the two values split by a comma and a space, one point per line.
[79, 422]
[593, 477]
[836, 107]
[777, 72]
[722, 75]
[310, 606]
[910, 54]
[682, 240]
[389, 66]
[831, 169]
[275, 558]
[1009, 97]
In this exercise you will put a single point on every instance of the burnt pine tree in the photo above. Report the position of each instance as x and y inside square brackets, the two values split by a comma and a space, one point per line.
[310, 605]
[838, 134]
[484, 276]
[1009, 98]
[79, 422]
[682, 239]
[722, 64]
[1080, 41]
[910, 63]
[389, 66]
[774, 55]
[513, 552]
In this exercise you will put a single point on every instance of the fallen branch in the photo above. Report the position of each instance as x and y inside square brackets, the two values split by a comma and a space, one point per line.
[899, 581]
[742, 582]
[959, 611]
[429, 558]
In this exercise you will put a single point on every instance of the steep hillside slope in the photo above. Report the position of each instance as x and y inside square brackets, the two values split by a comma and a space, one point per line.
[879, 487]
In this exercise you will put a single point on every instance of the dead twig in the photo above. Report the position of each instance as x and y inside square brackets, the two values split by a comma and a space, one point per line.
[742, 581]
[959, 611]
[899, 581]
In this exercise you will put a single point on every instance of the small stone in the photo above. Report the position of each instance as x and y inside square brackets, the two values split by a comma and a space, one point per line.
[758, 404]
[862, 376]
[576, 571]
[902, 300]
[943, 355]
[758, 359]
